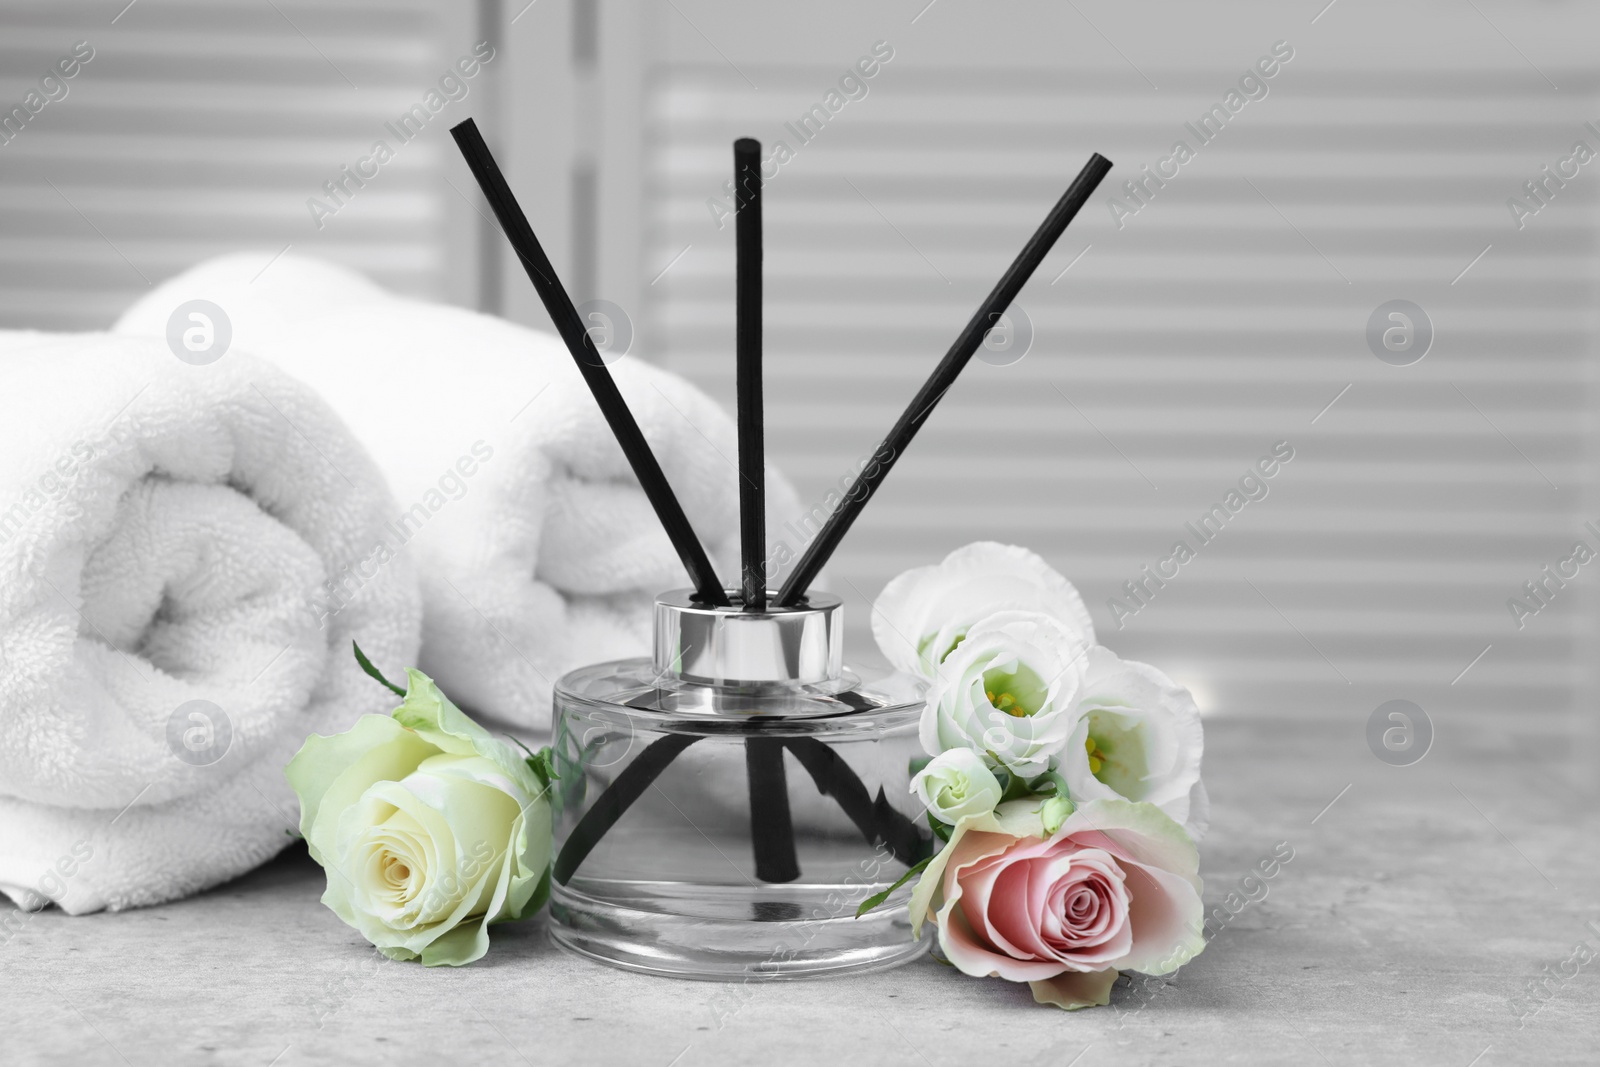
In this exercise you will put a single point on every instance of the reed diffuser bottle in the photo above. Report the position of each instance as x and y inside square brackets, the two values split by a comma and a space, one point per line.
[726, 805]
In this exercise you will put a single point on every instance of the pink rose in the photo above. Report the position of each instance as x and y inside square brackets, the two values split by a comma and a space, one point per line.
[1114, 888]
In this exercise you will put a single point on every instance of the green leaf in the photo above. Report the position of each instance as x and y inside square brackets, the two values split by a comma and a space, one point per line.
[1049, 784]
[366, 665]
[1015, 787]
[878, 898]
[940, 830]
[543, 764]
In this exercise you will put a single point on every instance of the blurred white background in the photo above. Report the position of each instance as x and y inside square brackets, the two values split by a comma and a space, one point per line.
[1169, 353]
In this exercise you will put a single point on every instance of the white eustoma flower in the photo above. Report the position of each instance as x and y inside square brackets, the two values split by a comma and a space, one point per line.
[925, 612]
[957, 785]
[1136, 735]
[1009, 691]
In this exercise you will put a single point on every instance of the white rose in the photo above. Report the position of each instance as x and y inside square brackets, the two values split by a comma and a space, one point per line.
[429, 828]
[925, 612]
[957, 784]
[1009, 691]
[1136, 735]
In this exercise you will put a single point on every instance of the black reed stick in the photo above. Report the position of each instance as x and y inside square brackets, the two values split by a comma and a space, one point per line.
[629, 786]
[877, 820]
[752, 450]
[771, 825]
[558, 304]
[942, 378]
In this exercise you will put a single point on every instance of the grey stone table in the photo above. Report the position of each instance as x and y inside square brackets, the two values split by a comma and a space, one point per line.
[1420, 904]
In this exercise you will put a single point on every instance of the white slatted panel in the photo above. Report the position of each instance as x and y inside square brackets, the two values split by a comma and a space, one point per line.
[201, 128]
[1213, 325]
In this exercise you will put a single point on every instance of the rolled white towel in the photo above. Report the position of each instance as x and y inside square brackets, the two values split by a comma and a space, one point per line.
[165, 533]
[538, 551]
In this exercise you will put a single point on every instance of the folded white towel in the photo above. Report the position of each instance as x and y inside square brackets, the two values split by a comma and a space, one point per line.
[537, 550]
[165, 533]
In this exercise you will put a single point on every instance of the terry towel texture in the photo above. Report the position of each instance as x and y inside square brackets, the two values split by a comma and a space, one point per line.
[536, 549]
[166, 532]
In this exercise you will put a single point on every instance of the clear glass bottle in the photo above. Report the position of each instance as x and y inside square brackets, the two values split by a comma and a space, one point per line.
[726, 805]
